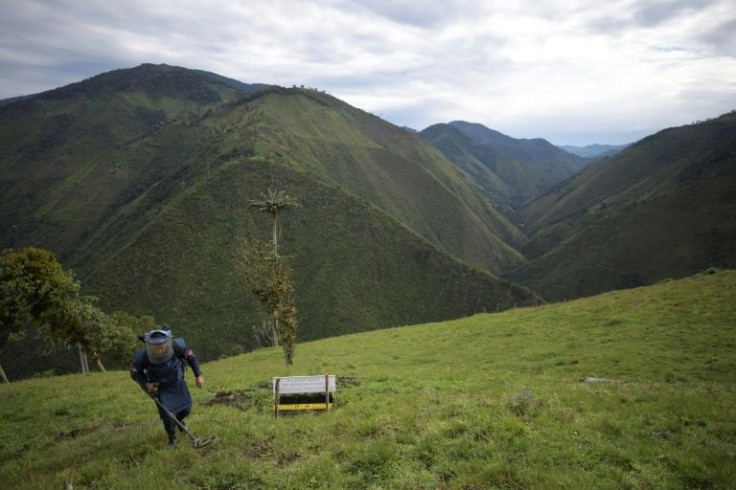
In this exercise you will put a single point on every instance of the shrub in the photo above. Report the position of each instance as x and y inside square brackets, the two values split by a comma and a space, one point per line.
[522, 403]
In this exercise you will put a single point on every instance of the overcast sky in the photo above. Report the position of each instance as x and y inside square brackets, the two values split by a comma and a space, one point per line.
[570, 71]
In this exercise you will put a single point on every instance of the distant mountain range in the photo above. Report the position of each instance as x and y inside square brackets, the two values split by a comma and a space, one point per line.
[507, 171]
[593, 151]
[139, 179]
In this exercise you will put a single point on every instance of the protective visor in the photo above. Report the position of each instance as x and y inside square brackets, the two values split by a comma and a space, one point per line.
[159, 345]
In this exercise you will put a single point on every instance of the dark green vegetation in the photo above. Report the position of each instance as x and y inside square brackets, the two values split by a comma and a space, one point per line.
[268, 275]
[664, 207]
[139, 180]
[507, 171]
[41, 300]
[490, 401]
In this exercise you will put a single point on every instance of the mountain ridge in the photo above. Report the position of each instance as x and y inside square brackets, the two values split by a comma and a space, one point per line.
[139, 179]
[508, 171]
[595, 150]
[662, 208]
[145, 195]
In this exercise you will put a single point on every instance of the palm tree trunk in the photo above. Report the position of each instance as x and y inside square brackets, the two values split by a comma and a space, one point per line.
[3, 375]
[275, 234]
[275, 329]
[83, 359]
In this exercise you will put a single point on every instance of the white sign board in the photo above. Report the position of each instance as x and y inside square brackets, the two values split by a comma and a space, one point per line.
[304, 384]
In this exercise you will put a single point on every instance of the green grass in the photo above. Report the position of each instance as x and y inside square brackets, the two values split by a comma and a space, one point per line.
[489, 401]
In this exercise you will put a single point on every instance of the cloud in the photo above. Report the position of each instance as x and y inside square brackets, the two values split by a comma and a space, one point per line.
[567, 70]
[650, 14]
[416, 13]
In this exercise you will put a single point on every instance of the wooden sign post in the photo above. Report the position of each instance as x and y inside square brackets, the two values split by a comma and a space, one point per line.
[303, 393]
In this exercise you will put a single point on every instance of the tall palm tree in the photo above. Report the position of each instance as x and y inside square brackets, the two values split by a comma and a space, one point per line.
[273, 203]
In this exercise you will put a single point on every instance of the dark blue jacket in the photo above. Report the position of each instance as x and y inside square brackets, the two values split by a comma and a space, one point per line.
[172, 389]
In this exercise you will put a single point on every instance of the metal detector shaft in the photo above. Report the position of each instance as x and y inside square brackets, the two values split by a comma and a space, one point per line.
[173, 417]
[197, 443]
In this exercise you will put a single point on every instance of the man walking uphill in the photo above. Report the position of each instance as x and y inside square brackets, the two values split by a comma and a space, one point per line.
[159, 370]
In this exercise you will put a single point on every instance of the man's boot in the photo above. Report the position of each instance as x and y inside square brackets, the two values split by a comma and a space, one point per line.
[172, 438]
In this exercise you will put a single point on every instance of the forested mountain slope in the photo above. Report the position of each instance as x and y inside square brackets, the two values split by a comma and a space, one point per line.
[664, 207]
[508, 171]
[140, 181]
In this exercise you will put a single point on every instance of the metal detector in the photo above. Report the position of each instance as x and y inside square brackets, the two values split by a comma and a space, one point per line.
[197, 442]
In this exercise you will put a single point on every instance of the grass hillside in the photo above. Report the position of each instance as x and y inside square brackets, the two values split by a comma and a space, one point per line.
[489, 401]
[661, 208]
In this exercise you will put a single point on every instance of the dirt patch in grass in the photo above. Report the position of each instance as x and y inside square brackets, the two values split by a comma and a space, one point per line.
[261, 448]
[261, 397]
[242, 399]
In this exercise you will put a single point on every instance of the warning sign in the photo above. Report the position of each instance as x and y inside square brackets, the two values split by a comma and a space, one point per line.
[304, 384]
[303, 393]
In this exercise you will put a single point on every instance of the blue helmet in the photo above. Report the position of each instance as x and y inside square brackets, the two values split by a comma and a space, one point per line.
[159, 345]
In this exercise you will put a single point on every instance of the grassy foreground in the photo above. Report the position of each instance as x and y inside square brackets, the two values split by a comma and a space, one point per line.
[489, 401]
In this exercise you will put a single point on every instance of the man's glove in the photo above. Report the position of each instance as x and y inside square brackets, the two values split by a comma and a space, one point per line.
[152, 389]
